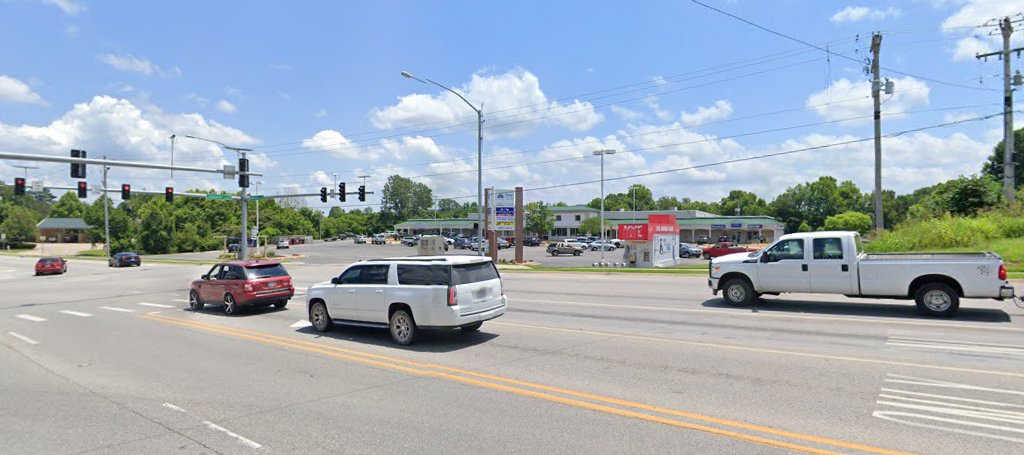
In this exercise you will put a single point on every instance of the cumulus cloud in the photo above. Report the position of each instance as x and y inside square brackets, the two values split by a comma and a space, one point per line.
[123, 130]
[333, 142]
[226, 107]
[652, 103]
[972, 13]
[845, 99]
[515, 96]
[133, 64]
[859, 13]
[722, 109]
[15, 91]
[626, 114]
[70, 7]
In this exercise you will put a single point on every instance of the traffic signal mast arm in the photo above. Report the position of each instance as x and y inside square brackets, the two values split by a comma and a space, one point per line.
[116, 163]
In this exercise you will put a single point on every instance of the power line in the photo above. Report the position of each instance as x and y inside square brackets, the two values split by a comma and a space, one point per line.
[827, 51]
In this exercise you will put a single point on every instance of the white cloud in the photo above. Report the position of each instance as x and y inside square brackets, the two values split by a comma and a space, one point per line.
[68, 6]
[972, 13]
[722, 109]
[853, 99]
[652, 103]
[122, 130]
[15, 91]
[333, 142]
[516, 97]
[320, 114]
[226, 107]
[626, 114]
[131, 63]
[202, 102]
[321, 178]
[858, 13]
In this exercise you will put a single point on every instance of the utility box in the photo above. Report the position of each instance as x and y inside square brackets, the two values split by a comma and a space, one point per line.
[432, 245]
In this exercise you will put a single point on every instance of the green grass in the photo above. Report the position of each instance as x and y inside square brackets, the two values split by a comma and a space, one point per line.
[91, 253]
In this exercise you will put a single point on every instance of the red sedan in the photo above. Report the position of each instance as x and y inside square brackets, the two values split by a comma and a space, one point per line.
[47, 266]
[722, 249]
[238, 284]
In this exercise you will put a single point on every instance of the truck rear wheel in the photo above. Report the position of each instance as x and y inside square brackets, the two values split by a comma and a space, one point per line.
[937, 299]
[738, 291]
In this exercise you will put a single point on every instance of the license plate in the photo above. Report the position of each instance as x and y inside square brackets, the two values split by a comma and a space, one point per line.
[272, 284]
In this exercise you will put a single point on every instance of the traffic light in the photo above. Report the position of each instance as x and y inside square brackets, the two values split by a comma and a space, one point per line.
[77, 169]
[83, 190]
[323, 194]
[126, 191]
[19, 186]
[243, 172]
[169, 194]
[341, 191]
[362, 193]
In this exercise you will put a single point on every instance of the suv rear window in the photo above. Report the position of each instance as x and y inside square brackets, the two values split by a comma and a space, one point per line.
[424, 275]
[266, 271]
[473, 273]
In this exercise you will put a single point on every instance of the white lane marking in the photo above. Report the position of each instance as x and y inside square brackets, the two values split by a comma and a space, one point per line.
[901, 379]
[23, 338]
[173, 407]
[947, 341]
[114, 308]
[76, 313]
[765, 314]
[989, 411]
[947, 397]
[237, 436]
[155, 305]
[957, 412]
[982, 349]
[300, 323]
[891, 416]
[29, 317]
[180, 300]
[767, 351]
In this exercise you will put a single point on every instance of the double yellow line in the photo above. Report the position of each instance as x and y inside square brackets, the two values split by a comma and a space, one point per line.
[539, 391]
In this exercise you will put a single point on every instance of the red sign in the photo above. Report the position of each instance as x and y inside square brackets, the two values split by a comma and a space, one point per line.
[633, 231]
[663, 224]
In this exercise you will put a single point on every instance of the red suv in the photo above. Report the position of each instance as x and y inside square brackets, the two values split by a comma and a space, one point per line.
[51, 265]
[242, 283]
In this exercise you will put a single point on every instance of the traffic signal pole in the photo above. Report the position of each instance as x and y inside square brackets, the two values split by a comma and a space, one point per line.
[106, 214]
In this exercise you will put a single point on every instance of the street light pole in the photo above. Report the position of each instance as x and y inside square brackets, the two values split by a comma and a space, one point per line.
[602, 153]
[479, 156]
[243, 244]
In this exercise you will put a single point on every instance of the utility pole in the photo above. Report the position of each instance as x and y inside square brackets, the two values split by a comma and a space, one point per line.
[876, 94]
[106, 212]
[1009, 173]
[243, 246]
[602, 153]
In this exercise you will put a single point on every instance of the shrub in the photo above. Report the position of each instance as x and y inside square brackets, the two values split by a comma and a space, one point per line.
[939, 233]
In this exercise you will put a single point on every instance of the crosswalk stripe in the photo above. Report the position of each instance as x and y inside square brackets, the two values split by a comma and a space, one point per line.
[29, 317]
[76, 313]
[23, 338]
[114, 308]
[155, 305]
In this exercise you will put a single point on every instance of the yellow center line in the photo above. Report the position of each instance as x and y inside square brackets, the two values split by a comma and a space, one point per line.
[765, 350]
[418, 369]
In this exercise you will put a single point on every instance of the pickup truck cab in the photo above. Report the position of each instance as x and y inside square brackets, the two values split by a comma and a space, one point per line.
[722, 249]
[834, 263]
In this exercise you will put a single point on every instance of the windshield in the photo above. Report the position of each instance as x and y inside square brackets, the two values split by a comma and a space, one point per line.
[266, 271]
[473, 273]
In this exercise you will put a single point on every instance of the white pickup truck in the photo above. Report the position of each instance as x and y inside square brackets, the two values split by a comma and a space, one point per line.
[834, 263]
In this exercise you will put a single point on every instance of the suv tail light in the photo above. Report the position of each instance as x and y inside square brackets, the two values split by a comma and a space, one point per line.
[503, 289]
[453, 298]
[1002, 272]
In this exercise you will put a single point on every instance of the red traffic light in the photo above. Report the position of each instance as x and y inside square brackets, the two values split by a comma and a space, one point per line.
[19, 186]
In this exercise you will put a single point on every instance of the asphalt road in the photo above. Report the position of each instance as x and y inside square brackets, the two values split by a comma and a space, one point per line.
[344, 252]
[110, 361]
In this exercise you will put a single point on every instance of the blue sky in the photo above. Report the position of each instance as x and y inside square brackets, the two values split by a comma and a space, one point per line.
[315, 88]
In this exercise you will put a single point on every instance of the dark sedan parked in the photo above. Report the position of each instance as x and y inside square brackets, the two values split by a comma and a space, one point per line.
[531, 241]
[125, 260]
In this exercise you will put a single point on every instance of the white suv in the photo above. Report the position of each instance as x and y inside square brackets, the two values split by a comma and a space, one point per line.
[410, 293]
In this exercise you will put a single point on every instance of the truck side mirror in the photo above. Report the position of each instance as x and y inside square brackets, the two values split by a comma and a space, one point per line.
[764, 257]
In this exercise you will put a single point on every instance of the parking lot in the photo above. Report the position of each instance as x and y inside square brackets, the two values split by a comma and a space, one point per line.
[623, 363]
[346, 252]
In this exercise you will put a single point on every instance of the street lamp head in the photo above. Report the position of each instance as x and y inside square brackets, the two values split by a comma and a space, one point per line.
[604, 152]
[406, 74]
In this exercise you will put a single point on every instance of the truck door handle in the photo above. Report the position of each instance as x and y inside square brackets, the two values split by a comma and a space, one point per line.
[380, 291]
[803, 267]
[846, 267]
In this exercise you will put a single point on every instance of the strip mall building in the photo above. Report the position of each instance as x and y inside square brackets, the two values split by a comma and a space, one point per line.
[694, 225]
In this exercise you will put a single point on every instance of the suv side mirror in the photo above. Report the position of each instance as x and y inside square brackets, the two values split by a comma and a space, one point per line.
[335, 280]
